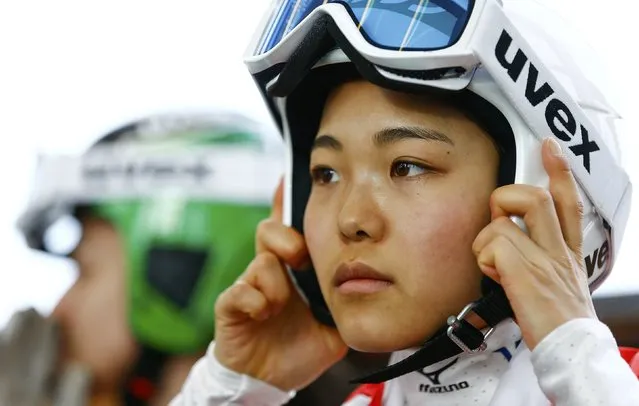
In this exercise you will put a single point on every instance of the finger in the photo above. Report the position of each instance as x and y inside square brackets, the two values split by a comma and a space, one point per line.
[278, 202]
[241, 299]
[511, 258]
[500, 259]
[504, 228]
[535, 205]
[565, 194]
[267, 274]
[283, 241]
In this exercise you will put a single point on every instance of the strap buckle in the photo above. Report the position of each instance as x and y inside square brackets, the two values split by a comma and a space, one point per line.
[454, 323]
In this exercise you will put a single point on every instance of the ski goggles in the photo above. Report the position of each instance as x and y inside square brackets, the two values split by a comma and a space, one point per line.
[380, 30]
[396, 25]
[405, 40]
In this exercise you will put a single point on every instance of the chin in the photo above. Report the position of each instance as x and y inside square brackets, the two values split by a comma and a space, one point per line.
[374, 332]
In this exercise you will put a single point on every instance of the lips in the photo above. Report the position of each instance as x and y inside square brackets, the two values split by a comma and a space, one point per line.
[357, 271]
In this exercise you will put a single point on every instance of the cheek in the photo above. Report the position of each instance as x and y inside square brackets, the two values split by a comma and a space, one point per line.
[322, 239]
[439, 236]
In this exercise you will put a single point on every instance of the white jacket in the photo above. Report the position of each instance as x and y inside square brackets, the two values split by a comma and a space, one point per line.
[578, 364]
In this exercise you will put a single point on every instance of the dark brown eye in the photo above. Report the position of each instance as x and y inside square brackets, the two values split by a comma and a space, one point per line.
[403, 169]
[323, 175]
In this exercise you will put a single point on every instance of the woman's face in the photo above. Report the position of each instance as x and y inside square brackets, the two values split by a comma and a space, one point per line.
[401, 188]
[92, 314]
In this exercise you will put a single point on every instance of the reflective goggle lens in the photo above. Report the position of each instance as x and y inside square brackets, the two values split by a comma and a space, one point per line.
[402, 25]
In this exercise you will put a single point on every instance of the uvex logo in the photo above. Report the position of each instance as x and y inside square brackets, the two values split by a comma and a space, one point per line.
[598, 258]
[559, 118]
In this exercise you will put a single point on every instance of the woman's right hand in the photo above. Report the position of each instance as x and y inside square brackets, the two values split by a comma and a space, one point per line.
[263, 328]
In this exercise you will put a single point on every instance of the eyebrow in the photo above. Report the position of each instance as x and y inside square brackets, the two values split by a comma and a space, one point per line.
[388, 136]
[327, 141]
[392, 135]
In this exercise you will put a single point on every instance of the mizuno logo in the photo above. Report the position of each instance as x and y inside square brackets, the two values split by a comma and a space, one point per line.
[437, 387]
[433, 376]
[560, 119]
[453, 387]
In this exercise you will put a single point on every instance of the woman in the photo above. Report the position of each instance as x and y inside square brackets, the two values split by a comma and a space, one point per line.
[426, 214]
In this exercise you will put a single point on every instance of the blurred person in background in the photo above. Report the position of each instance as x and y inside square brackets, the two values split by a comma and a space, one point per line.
[165, 210]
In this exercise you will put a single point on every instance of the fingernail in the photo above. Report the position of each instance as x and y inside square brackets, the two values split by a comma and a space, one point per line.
[487, 269]
[555, 148]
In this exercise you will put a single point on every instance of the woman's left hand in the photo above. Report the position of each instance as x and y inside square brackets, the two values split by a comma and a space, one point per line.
[543, 273]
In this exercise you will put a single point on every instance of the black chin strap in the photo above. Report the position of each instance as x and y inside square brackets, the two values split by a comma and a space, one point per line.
[459, 336]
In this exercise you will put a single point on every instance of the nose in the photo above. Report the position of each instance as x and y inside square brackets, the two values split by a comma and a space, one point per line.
[360, 217]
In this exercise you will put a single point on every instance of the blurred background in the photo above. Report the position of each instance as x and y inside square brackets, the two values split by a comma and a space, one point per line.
[72, 70]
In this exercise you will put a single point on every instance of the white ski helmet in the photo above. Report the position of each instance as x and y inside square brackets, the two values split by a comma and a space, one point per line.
[499, 59]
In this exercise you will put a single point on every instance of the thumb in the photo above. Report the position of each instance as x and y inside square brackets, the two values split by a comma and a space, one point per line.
[565, 194]
[278, 202]
[554, 160]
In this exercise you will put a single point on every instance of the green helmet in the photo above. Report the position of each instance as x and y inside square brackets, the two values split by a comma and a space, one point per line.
[185, 193]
